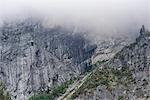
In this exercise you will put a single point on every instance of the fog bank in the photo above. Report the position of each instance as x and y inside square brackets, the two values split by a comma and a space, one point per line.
[100, 17]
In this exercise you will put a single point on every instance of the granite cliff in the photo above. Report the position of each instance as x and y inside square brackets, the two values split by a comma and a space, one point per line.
[124, 77]
[34, 58]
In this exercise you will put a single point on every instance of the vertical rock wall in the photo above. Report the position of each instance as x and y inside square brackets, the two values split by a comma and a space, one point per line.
[34, 58]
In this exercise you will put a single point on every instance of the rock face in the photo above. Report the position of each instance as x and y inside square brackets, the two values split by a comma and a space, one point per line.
[106, 49]
[136, 59]
[34, 58]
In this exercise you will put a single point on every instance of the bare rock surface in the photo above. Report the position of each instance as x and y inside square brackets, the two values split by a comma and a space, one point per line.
[33, 58]
[134, 60]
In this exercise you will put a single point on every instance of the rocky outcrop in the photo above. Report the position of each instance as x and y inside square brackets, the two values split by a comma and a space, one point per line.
[133, 64]
[136, 57]
[35, 58]
[106, 49]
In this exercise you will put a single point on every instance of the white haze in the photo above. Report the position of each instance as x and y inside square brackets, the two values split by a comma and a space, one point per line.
[100, 17]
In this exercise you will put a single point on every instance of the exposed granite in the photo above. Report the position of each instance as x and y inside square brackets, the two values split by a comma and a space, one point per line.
[35, 58]
[134, 58]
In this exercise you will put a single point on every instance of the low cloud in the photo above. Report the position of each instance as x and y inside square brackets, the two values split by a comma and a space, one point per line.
[99, 17]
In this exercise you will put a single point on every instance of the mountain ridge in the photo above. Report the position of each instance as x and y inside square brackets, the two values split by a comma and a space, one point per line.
[125, 76]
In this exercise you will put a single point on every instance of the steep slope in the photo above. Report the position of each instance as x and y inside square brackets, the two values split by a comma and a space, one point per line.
[35, 58]
[106, 49]
[125, 77]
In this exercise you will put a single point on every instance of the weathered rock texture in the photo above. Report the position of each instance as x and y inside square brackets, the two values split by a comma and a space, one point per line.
[136, 59]
[106, 49]
[33, 58]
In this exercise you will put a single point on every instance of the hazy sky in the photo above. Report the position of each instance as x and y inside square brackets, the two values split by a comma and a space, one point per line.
[100, 16]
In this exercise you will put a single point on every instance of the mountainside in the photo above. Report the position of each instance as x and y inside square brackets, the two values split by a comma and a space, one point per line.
[106, 49]
[124, 77]
[34, 58]
[39, 62]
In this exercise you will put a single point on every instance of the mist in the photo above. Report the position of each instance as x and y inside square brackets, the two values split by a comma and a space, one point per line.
[101, 18]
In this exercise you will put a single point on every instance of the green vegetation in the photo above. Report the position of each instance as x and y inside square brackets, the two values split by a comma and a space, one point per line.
[95, 65]
[121, 98]
[98, 63]
[56, 91]
[59, 90]
[3, 94]
[107, 76]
